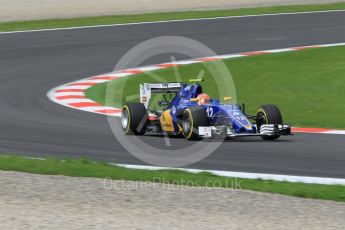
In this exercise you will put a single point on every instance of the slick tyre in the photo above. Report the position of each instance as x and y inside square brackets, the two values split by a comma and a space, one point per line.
[193, 118]
[133, 118]
[269, 114]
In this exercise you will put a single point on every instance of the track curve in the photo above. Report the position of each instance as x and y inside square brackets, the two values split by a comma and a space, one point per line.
[33, 63]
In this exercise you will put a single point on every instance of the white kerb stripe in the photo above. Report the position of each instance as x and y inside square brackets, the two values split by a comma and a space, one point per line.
[75, 87]
[60, 94]
[341, 132]
[67, 101]
[279, 50]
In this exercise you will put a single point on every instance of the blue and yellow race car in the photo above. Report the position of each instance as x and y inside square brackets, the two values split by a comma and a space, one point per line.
[195, 115]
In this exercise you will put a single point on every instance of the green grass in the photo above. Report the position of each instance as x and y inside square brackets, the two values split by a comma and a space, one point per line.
[105, 20]
[307, 85]
[85, 168]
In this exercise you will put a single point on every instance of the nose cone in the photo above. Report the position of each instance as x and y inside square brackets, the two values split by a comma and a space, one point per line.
[239, 120]
[243, 124]
[246, 124]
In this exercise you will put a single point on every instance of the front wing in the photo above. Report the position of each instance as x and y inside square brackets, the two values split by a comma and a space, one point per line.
[224, 131]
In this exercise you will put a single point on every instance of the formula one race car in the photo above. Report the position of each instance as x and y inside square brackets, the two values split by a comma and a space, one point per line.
[195, 115]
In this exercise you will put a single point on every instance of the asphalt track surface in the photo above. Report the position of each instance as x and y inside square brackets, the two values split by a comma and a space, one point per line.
[33, 63]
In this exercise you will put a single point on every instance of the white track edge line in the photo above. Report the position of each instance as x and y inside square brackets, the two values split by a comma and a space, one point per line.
[174, 20]
[244, 175]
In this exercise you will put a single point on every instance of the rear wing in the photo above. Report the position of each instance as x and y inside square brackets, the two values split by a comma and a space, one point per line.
[146, 89]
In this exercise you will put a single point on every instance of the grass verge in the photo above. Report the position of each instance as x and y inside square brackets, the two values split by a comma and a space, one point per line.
[118, 19]
[85, 168]
[307, 85]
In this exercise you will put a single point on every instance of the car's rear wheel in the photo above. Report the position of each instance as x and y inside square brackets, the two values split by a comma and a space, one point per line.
[133, 118]
[269, 114]
[193, 118]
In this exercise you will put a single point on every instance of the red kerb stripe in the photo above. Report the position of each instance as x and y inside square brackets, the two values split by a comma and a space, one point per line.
[208, 59]
[70, 97]
[168, 65]
[69, 90]
[254, 53]
[132, 71]
[103, 78]
[108, 111]
[305, 47]
[310, 130]
[83, 84]
[84, 104]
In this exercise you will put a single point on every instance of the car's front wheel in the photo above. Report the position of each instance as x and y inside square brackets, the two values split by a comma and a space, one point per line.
[269, 114]
[193, 118]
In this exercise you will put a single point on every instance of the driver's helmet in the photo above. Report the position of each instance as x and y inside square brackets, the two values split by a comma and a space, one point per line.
[203, 99]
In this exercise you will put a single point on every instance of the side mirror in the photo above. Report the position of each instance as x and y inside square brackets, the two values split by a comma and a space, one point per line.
[227, 99]
[196, 80]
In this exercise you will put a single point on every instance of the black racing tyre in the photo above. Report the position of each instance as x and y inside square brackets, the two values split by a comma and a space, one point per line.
[193, 118]
[268, 114]
[133, 118]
